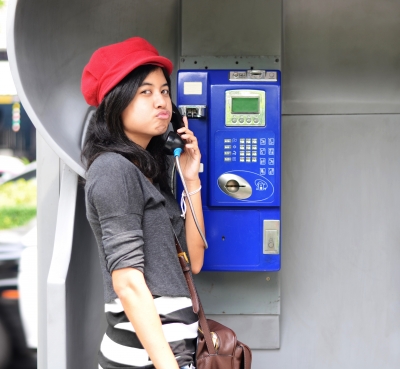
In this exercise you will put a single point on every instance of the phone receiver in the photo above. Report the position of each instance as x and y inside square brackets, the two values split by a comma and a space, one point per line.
[174, 146]
[173, 140]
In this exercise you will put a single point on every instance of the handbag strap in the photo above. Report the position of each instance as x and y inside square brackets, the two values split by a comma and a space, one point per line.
[197, 307]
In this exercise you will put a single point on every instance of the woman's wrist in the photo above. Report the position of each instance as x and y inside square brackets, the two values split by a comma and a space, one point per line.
[193, 185]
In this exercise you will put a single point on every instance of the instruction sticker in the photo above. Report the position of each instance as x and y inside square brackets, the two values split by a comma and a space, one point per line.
[192, 88]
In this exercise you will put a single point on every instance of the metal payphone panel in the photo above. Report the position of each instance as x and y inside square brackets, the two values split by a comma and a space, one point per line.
[236, 116]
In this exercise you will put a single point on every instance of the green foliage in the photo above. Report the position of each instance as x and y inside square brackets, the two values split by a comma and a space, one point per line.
[16, 216]
[17, 203]
[24, 159]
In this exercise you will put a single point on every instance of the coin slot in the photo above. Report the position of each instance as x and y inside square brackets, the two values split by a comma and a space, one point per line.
[233, 186]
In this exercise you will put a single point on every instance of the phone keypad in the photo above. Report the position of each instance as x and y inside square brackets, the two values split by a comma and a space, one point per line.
[250, 150]
[247, 153]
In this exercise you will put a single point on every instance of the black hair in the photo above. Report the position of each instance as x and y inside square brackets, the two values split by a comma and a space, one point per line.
[105, 132]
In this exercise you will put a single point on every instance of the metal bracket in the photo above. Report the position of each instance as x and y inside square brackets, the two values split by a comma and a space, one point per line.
[193, 111]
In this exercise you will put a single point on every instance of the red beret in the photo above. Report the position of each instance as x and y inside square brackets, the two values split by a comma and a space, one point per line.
[110, 64]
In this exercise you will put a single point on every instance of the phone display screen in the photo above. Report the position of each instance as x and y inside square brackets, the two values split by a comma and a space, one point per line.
[245, 105]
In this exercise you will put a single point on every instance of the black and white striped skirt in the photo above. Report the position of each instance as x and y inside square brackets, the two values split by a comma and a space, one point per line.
[121, 347]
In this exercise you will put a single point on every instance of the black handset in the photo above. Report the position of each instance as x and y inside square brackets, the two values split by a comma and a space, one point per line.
[176, 119]
[173, 140]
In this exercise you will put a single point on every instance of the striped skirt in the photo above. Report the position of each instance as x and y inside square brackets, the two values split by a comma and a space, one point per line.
[121, 347]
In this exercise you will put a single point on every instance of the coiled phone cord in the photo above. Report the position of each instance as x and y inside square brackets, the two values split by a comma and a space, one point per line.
[177, 153]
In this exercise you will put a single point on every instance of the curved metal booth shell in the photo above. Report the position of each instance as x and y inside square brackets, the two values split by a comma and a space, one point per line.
[49, 43]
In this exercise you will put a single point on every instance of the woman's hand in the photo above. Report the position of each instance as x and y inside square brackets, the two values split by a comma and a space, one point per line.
[190, 158]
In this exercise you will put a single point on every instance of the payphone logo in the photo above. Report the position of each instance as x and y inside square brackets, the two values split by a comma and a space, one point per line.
[261, 185]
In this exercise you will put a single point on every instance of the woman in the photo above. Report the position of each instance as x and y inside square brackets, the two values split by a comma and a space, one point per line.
[133, 213]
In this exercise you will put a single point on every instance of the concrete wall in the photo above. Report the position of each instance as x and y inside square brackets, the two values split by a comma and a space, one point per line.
[340, 305]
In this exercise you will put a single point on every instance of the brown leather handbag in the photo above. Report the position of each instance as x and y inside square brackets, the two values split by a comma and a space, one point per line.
[217, 347]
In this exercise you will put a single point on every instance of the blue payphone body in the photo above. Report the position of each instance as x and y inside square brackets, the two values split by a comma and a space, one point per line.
[236, 116]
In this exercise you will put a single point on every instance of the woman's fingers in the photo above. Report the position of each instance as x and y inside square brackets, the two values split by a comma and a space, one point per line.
[189, 138]
[191, 146]
[185, 131]
[187, 135]
[185, 120]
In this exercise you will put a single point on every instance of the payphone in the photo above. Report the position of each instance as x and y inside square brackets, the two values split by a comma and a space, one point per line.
[236, 116]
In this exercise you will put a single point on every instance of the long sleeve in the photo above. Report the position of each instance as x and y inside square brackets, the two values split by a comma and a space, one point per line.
[117, 197]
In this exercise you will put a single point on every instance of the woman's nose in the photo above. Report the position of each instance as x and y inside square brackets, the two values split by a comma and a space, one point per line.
[159, 100]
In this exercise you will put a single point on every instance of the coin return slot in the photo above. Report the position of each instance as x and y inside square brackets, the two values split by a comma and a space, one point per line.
[271, 237]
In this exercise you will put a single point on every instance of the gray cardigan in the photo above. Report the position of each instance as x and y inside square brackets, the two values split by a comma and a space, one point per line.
[131, 220]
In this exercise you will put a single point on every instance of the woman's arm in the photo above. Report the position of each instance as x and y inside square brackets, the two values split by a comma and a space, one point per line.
[193, 239]
[138, 303]
[190, 164]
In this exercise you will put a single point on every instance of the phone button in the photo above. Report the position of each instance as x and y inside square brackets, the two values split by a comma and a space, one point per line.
[234, 120]
[241, 120]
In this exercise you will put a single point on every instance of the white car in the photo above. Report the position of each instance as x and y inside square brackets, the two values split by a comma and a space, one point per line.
[18, 290]
[10, 167]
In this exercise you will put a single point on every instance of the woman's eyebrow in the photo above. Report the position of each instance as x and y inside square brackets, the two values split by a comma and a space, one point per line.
[150, 84]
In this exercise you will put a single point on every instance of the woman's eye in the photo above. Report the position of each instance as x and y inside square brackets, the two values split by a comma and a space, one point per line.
[145, 92]
[165, 92]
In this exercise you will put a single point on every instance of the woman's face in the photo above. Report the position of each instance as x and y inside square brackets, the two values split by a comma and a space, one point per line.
[149, 113]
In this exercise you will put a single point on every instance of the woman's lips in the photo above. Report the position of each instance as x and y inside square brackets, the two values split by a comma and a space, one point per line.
[163, 114]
